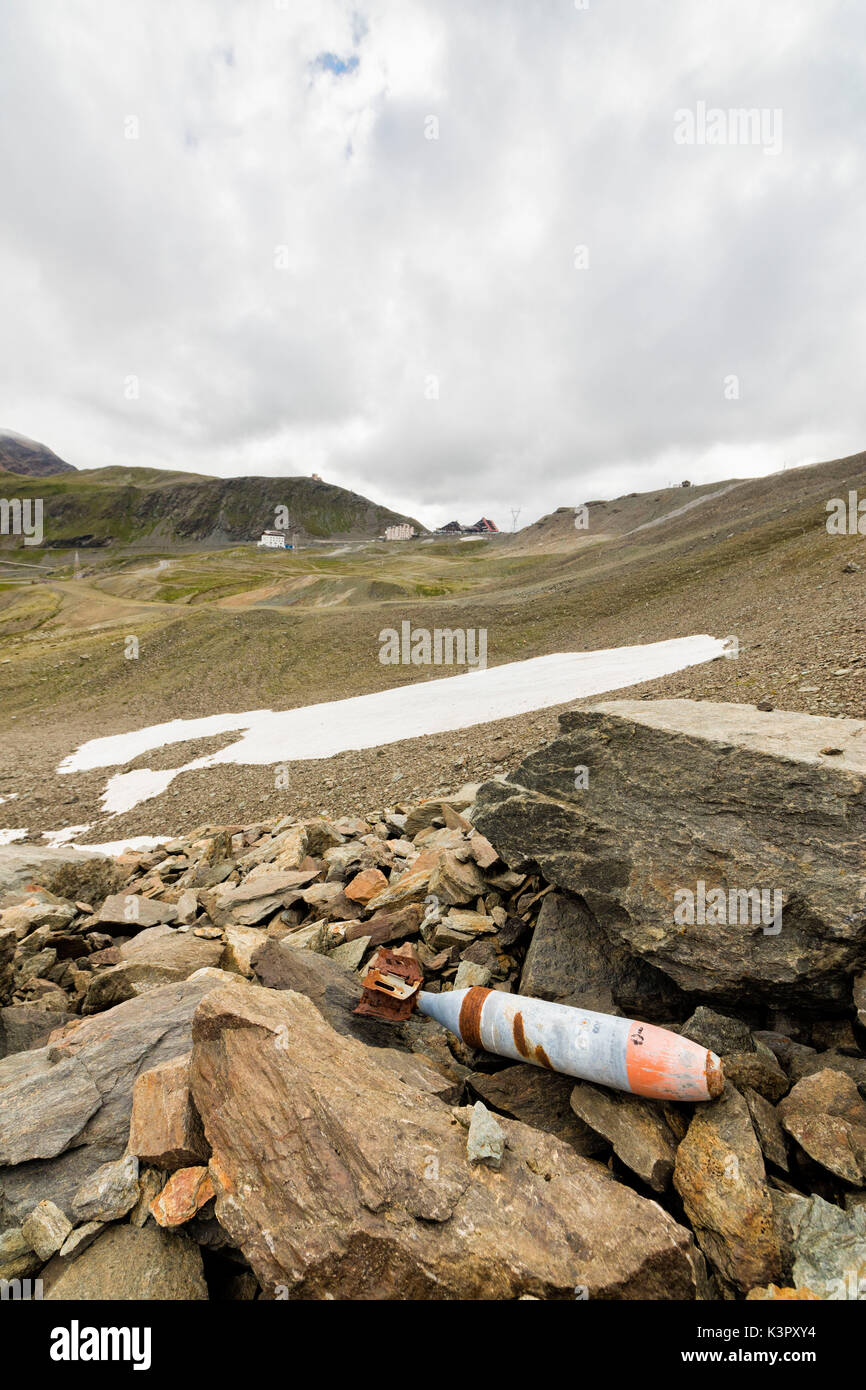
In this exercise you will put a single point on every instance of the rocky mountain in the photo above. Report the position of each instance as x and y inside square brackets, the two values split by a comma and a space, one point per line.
[18, 454]
[184, 1062]
[149, 506]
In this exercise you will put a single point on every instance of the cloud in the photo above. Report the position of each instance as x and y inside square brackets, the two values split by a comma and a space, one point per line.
[450, 256]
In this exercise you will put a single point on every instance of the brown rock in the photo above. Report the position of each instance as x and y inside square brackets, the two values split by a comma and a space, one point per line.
[827, 1117]
[128, 1263]
[637, 1129]
[185, 1193]
[337, 1179]
[165, 1130]
[721, 1179]
[366, 885]
[766, 1125]
[129, 912]
[386, 926]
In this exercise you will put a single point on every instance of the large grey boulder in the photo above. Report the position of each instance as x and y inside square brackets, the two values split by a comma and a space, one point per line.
[681, 798]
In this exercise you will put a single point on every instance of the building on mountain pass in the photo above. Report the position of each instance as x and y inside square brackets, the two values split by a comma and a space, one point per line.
[404, 532]
[274, 540]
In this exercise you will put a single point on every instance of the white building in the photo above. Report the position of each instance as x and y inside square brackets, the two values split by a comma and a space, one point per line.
[399, 533]
[275, 540]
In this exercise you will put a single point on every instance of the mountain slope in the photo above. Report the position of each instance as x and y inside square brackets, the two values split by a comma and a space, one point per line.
[132, 506]
[24, 456]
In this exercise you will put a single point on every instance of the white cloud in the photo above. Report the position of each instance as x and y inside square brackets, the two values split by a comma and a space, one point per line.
[284, 259]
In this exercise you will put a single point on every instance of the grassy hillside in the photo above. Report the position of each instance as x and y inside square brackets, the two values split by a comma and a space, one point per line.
[154, 509]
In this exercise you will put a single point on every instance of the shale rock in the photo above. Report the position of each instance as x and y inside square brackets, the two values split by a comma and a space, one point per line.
[65, 1108]
[126, 1263]
[688, 796]
[573, 960]
[637, 1129]
[540, 1099]
[721, 1179]
[827, 1117]
[338, 1180]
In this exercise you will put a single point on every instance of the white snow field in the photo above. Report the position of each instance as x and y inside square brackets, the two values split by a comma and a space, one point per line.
[403, 712]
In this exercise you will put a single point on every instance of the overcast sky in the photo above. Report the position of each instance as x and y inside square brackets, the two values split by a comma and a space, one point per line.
[294, 277]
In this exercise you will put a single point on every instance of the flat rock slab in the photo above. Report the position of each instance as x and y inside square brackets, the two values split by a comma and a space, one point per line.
[682, 799]
[129, 1263]
[337, 1179]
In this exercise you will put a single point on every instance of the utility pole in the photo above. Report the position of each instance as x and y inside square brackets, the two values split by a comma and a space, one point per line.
[515, 513]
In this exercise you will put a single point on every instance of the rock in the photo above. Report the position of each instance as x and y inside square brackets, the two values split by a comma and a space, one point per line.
[187, 907]
[411, 887]
[366, 885]
[485, 1142]
[758, 1071]
[469, 974]
[651, 833]
[8, 945]
[351, 953]
[637, 1129]
[127, 1263]
[185, 1193]
[241, 943]
[45, 1229]
[156, 956]
[333, 990]
[80, 1238]
[336, 993]
[540, 1099]
[572, 960]
[453, 881]
[24, 866]
[828, 1248]
[860, 999]
[718, 1032]
[807, 1063]
[65, 1108]
[109, 1193]
[766, 1125]
[130, 912]
[151, 1181]
[720, 1176]
[827, 1117]
[385, 926]
[24, 1026]
[18, 1259]
[45, 1103]
[165, 1130]
[469, 923]
[45, 911]
[382, 1209]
